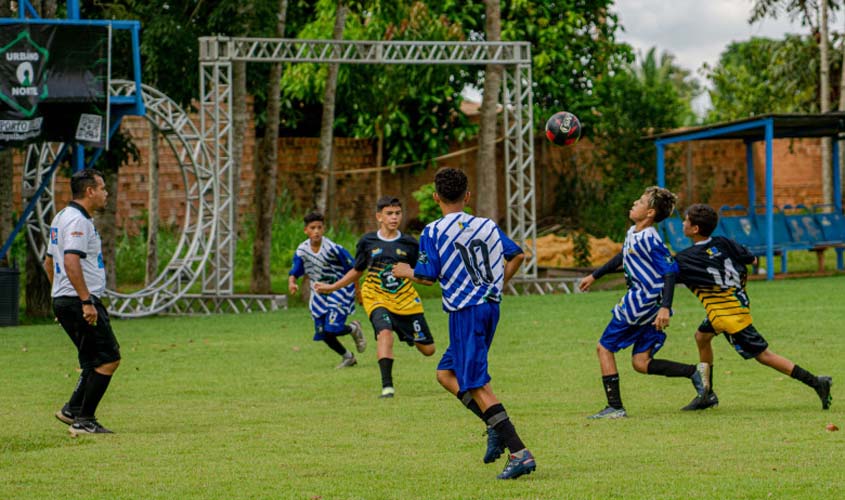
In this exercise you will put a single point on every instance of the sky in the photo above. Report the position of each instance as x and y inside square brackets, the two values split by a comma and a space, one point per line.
[695, 31]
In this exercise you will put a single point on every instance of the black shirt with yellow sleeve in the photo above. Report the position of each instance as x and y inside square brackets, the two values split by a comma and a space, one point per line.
[715, 271]
[381, 288]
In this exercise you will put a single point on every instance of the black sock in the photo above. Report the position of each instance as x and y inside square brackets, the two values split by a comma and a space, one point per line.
[74, 404]
[803, 375]
[466, 398]
[386, 367]
[497, 418]
[334, 344]
[95, 387]
[346, 330]
[670, 368]
[611, 389]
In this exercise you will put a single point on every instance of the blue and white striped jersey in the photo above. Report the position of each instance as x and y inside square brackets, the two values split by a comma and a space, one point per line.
[327, 265]
[645, 259]
[467, 255]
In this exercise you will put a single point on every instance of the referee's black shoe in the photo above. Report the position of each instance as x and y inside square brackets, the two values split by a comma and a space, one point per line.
[702, 402]
[823, 390]
[87, 426]
[65, 415]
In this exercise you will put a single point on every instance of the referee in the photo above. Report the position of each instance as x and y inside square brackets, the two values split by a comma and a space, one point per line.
[75, 266]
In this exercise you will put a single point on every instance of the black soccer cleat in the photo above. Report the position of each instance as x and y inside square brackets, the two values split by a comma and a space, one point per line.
[823, 390]
[495, 446]
[87, 426]
[518, 465]
[65, 415]
[702, 402]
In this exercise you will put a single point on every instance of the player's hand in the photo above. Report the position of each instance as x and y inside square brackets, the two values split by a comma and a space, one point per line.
[403, 270]
[323, 288]
[662, 319]
[293, 288]
[586, 283]
[89, 312]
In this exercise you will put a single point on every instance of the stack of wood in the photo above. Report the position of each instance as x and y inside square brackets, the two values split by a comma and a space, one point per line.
[558, 251]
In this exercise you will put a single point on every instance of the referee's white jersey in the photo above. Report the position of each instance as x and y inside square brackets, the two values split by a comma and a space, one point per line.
[72, 231]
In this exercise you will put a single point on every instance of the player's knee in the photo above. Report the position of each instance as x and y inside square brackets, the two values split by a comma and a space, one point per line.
[426, 349]
[640, 365]
[108, 368]
[702, 338]
[444, 378]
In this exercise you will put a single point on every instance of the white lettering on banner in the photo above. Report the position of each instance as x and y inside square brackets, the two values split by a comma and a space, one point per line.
[23, 56]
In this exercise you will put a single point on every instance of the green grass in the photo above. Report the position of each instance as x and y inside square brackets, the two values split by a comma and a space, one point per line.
[249, 407]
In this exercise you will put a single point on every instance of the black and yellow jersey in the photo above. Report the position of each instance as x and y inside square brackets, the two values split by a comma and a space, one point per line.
[381, 289]
[714, 270]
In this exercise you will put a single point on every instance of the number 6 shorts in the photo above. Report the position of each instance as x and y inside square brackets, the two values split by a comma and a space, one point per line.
[411, 328]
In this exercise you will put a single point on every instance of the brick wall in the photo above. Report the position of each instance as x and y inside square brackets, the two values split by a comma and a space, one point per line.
[713, 171]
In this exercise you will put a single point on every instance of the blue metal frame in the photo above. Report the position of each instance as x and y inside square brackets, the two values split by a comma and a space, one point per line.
[119, 106]
[768, 124]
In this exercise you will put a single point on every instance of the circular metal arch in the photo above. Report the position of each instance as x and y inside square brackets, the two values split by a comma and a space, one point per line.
[201, 195]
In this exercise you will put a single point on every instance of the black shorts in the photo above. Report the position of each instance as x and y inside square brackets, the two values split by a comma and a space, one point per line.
[747, 342]
[96, 344]
[411, 328]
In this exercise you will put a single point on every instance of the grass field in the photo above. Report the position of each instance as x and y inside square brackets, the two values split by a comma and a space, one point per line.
[249, 407]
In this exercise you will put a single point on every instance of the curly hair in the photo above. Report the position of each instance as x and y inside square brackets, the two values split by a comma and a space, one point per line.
[450, 184]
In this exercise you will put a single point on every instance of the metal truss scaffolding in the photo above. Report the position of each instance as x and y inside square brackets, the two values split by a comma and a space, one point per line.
[217, 54]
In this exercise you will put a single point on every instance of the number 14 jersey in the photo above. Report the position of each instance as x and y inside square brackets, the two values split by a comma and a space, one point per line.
[714, 270]
[467, 254]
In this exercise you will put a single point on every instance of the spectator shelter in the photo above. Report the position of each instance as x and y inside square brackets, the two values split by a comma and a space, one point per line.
[775, 230]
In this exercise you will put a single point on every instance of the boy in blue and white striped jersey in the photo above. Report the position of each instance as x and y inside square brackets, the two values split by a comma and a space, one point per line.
[472, 259]
[641, 315]
[325, 261]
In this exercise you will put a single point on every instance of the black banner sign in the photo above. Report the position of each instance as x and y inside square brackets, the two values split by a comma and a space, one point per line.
[54, 83]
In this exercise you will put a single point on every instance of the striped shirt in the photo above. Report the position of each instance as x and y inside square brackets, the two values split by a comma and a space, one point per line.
[327, 265]
[645, 259]
[467, 255]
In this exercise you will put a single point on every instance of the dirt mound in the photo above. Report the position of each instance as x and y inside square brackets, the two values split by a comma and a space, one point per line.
[557, 251]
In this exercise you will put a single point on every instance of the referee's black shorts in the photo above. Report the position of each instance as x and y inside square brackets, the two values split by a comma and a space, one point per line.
[96, 344]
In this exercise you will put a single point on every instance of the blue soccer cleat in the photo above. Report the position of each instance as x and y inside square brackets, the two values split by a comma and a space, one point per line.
[519, 464]
[495, 447]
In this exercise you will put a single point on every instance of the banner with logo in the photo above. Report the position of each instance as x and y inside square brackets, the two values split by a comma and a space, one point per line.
[54, 83]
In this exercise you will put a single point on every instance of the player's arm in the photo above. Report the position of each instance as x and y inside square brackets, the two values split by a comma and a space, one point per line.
[609, 266]
[665, 311]
[405, 271]
[48, 267]
[296, 271]
[73, 269]
[512, 265]
[350, 277]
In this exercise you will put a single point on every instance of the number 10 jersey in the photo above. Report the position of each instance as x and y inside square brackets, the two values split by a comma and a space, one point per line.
[467, 255]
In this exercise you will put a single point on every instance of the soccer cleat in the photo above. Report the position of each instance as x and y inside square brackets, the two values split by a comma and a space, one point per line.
[702, 402]
[495, 447]
[387, 392]
[518, 464]
[700, 379]
[347, 362]
[610, 412]
[358, 335]
[65, 415]
[823, 390]
[87, 426]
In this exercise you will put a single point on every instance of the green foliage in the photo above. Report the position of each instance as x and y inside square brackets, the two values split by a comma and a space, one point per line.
[762, 76]
[581, 249]
[637, 101]
[242, 406]
[429, 210]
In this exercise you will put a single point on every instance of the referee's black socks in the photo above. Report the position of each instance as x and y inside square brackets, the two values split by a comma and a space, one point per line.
[94, 390]
[74, 404]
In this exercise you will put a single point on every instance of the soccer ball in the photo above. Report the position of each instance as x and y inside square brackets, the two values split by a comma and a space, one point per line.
[563, 128]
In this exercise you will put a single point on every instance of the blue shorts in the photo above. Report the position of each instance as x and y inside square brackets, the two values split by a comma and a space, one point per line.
[470, 335]
[332, 322]
[618, 335]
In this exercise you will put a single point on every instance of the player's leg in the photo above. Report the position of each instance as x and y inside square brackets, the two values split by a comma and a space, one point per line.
[520, 460]
[69, 314]
[820, 384]
[703, 341]
[382, 321]
[613, 339]
[648, 343]
[334, 326]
